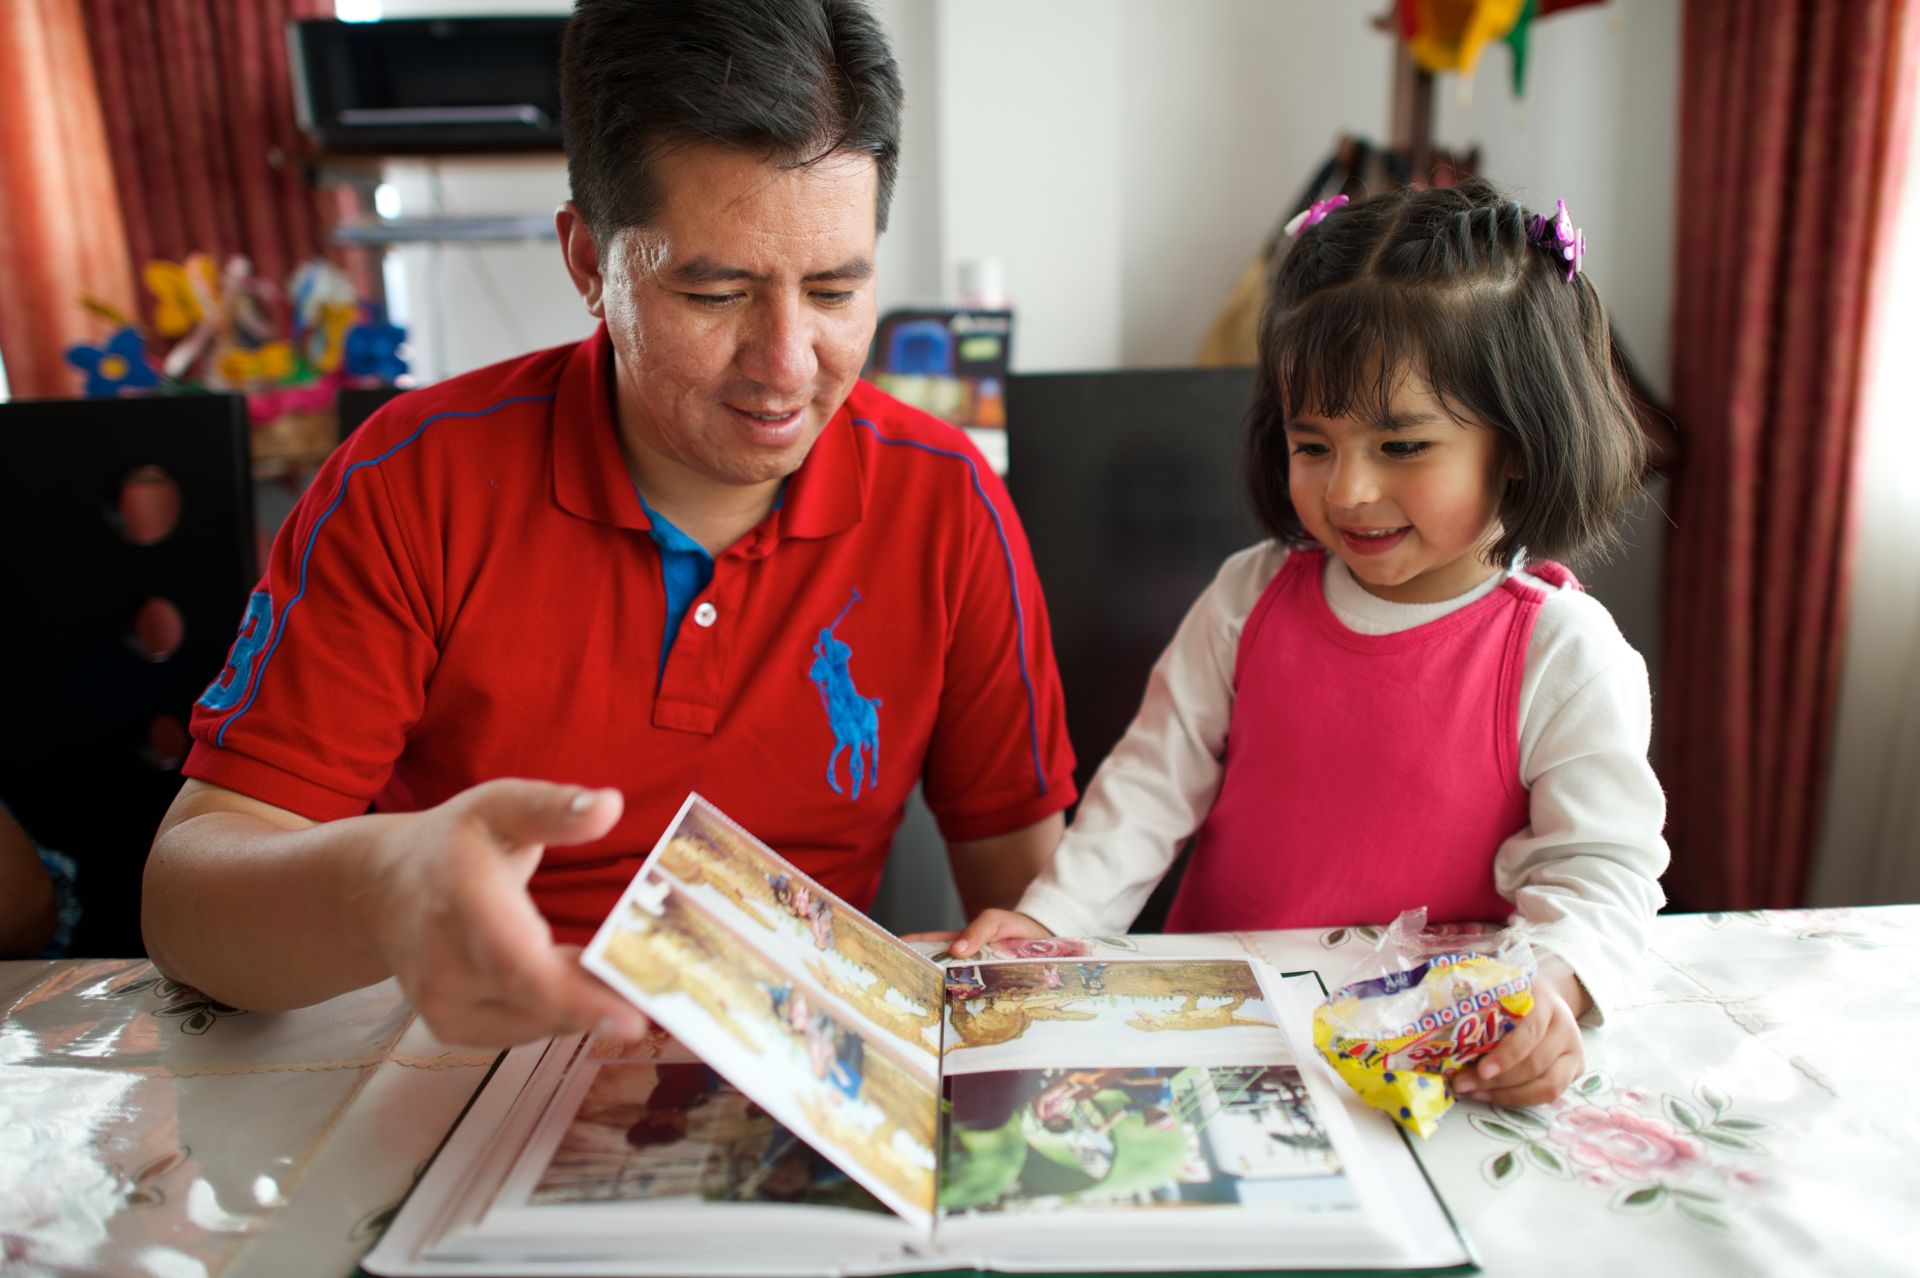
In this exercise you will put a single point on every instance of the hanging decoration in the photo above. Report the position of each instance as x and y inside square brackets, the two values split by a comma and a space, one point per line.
[1450, 35]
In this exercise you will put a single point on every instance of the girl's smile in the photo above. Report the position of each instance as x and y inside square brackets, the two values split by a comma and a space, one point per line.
[1372, 542]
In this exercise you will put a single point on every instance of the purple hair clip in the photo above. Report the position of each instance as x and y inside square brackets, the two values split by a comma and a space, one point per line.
[1566, 239]
[1313, 214]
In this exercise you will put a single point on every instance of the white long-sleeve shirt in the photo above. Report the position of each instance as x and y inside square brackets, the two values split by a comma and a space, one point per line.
[1584, 873]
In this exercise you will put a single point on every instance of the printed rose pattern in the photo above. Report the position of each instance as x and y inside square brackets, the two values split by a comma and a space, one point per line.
[1641, 1158]
[1626, 1143]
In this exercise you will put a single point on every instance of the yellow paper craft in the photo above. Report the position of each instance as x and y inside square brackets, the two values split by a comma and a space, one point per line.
[182, 291]
[239, 366]
[1450, 34]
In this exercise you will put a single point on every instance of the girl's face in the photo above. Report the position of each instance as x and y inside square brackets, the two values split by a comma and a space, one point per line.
[1410, 504]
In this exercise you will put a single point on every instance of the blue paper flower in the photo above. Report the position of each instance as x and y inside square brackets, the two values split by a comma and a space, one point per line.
[119, 365]
[373, 350]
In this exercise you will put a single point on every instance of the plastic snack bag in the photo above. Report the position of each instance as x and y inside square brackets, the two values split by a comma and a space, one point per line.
[1421, 1007]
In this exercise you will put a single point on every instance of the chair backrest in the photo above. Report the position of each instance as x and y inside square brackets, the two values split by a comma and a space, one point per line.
[1128, 485]
[129, 553]
[357, 403]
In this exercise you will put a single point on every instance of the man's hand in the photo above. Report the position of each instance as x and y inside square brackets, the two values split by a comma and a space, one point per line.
[263, 909]
[447, 909]
[1539, 1057]
[988, 925]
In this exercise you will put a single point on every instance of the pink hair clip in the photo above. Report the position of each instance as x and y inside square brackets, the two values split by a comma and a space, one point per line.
[1313, 214]
[1567, 239]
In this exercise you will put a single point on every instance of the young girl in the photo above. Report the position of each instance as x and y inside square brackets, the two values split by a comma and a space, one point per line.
[1401, 700]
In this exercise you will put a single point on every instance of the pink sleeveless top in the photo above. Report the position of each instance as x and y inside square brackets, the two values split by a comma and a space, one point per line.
[1365, 774]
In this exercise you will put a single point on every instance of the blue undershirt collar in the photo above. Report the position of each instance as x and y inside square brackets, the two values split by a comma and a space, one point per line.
[686, 568]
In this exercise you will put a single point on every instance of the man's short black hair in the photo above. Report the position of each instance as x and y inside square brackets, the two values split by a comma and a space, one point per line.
[1451, 284]
[792, 80]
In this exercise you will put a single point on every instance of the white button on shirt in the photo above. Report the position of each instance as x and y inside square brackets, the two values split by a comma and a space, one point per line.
[705, 615]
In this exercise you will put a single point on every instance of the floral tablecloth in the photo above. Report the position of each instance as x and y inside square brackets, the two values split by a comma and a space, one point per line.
[1753, 1113]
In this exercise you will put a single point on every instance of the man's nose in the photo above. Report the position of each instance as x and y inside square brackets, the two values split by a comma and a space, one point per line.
[778, 351]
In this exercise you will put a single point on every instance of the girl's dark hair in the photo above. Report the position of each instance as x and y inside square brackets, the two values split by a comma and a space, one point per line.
[1450, 284]
[794, 80]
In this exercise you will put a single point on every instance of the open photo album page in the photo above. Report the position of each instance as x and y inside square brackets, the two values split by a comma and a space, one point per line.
[790, 995]
[1077, 1083]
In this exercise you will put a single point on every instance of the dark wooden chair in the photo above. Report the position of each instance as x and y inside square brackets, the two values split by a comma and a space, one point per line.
[1129, 487]
[129, 555]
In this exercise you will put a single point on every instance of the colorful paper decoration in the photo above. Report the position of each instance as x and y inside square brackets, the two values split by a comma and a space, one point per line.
[373, 349]
[120, 364]
[1450, 35]
[214, 328]
[183, 293]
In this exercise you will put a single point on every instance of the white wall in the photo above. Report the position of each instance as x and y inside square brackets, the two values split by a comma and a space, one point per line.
[1225, 111]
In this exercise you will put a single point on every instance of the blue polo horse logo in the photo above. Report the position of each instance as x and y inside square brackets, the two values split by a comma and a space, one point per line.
[855, 719]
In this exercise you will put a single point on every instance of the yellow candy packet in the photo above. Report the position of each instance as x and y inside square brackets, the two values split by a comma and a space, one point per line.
[1419, 1009]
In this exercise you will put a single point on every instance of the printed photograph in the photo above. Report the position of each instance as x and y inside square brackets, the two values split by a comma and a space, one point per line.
[1143, 1136]
[802, 926]
[1011, 1014]
[839, 1085]
[646, 1131]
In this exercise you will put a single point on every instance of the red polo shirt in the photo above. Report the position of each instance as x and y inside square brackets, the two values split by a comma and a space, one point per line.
[469, 590]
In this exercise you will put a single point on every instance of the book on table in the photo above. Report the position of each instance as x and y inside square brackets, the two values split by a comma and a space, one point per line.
[820, 1097]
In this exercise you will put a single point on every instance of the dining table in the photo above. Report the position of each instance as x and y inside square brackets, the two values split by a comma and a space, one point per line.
[1753, 1107]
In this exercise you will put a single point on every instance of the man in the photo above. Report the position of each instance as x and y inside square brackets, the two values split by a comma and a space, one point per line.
[692, 552]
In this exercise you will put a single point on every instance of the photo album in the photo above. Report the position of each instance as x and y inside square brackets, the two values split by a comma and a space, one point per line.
[818, 1096]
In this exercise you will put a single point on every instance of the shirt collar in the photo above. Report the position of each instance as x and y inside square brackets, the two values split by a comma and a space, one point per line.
[827, 495]
[590, 476]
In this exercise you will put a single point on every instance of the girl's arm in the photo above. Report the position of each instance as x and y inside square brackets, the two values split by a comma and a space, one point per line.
[1586, 871]
[1156, 786]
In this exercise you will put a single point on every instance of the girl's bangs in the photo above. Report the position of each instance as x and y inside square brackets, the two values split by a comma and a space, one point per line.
[1343, 352]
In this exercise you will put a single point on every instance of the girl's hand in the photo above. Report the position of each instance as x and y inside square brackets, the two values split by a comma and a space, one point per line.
[1539, 1057]
[991, 925]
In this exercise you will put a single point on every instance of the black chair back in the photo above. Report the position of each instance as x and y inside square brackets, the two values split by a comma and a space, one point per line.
[96, 706]
[1129, 487]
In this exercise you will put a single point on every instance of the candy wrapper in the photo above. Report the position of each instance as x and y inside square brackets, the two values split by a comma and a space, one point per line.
[1421, 1007]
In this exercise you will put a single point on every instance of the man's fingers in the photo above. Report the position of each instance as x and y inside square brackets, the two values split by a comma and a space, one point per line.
[597, 1005]
[522, 813]
[537, 991]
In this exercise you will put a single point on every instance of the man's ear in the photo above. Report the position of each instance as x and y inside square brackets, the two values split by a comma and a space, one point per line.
[582, 255]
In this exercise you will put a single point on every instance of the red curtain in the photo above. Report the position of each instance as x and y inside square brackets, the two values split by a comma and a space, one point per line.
[198, 103]
[1790, 118]
[60, 229]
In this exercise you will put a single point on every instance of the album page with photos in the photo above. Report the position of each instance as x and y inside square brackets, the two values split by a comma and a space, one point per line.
[820, 1097]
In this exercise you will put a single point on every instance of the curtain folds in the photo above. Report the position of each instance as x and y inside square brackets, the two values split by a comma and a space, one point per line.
[198, 104]
[1788, 114]
[132, 130]
[61, 233]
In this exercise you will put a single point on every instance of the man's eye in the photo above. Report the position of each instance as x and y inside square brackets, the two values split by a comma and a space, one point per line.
[1304, 449]
[833, 298]
[1404, 447]
[712, 301]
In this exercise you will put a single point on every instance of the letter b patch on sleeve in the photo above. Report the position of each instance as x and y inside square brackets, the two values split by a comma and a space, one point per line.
[256, 628]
